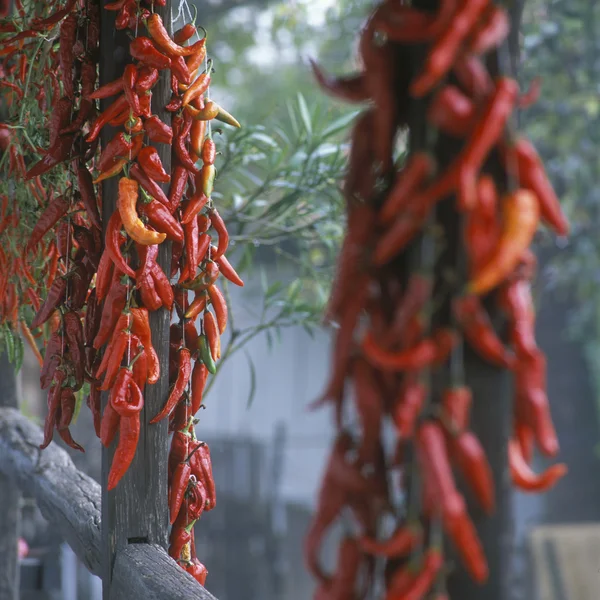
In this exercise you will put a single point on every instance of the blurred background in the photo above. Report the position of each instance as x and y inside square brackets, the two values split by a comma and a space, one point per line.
[279, 178]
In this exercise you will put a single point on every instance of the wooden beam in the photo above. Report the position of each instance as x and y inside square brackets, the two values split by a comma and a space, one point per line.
[136, 511]
[66, 497]
[10, 498]
[70, 500]
[149, 571]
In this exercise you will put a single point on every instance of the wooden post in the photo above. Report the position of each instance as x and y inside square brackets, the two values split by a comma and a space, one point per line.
[10, 498]
[136, 511]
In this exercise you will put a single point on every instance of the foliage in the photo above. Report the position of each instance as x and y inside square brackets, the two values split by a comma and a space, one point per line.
[560, 43]
[284, 208]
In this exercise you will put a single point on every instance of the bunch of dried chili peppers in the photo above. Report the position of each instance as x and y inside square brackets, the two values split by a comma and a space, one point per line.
[104, 279]
[402, 353]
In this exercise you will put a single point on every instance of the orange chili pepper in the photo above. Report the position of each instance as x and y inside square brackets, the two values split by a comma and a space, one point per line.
[126, 205]
[160, 35]
[521, 214]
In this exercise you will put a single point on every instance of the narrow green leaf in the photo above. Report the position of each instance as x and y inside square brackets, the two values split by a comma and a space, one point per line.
[305, 114]
[293, 120]
[252, 390]
[339, 124]
[19, 352]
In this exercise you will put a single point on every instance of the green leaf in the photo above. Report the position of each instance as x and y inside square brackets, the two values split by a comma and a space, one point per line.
[252, 390]
[339, 124]
[305, 114]
[269, 338]
[78, 403]
[9, 342]
[293, 120]
[19, 352]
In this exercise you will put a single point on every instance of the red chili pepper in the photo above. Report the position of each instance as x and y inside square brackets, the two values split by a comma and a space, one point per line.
[452, 112]
[531, 403]
[183, 377]
[423, 582]
[163, 287]
[113, 242]
[380, 70]
[109, 425]
[197, 133]
[181, 126]
[162, 220]
[150, 186]
[348, 89]
[116, 108]
[118, 147]
[141, 328]
[57, 16]
[517, 301]
[461, 530]
[179, 484]
[194, 205]
[73, 330]
[113, 307]
[146, 79]
[527, 480]
[179, 183]
[199, 377]
[202, 469]
[227, 270]
[532, 95]
[56, 295]
[54, 396]
[148, 293]
[93, 403]
[158, 131]
[86, 189]
[456, 403]
[113, 356]
[408, 406]
[129, 80]
[472, 461]
[523, 162]
[150, 161]
[444, 51]
[125, 396]
[492, 32]
[108, 89]
[67, 38]
[67, 408]
[184, 33]
[142, 49]
[405, 539]
[428, 351]
[219, 225]
[484, 137]
[56, 209]
[129, 433]
[418, 167]
[479, 331]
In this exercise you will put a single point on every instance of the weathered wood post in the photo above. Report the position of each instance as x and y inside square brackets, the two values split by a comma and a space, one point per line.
[136, 511]
[10, 498]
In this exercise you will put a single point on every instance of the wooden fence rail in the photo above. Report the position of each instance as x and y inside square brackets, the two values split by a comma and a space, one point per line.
[71, 501]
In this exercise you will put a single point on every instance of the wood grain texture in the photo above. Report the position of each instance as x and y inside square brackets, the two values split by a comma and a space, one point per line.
[67, 498]
[10, 498]
[148, 569]
[137, 509]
